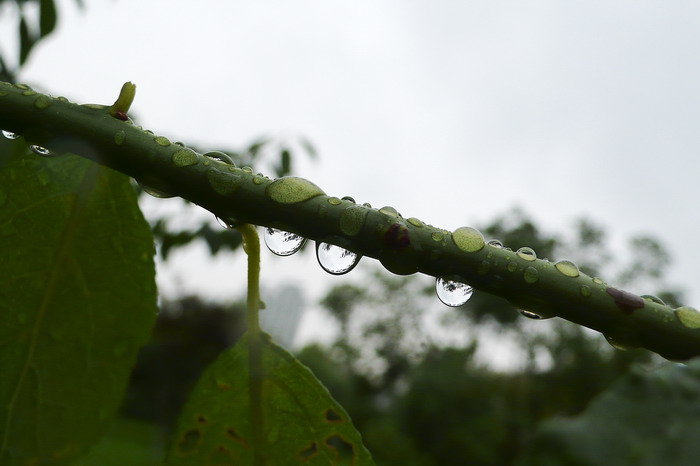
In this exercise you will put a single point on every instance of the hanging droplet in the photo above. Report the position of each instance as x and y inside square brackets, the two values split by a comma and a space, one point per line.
[228, 222]
[283, 243]
[527, 253]
[494, 243]
[43, 151]
[453, 293]
[530, 315]
[155, 192]
[10, 134]
[334, 259]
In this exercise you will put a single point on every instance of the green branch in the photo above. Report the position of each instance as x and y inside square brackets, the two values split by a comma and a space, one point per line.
[403, 246]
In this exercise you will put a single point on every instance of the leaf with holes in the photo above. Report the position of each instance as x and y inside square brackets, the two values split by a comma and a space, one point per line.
[302, 424]
[77, 299]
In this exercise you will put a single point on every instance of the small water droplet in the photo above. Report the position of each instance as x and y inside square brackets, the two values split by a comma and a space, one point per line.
[257, 179]
[484, 267]
[567, 268]
[29, 92]
[119, 137]
[155, 192]
[367, 204]
[349, 199]
[10, 134]
[436, 236]
[21, 86]
[43, 151]
[220, 156]
[689, 316]
[334, 259]
[616, 344]
[388, 210]
[185, 158]
[468, 239]
[334, 201]
[653, 299]
[283, 243]
[585, 290]
[42, 102]
[228, 222]
[598, 281]
[415, 222]
[527, 254]
[512, 266]
[531, 275]
[453, 293]
[494, 243]
[530, 315]
[162, 141]
[249, 170]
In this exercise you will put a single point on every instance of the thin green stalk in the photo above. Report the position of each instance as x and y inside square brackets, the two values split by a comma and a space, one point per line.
[251, 244]
[403, 245]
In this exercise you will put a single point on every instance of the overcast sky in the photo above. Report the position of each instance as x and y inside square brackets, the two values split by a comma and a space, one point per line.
[450, 111]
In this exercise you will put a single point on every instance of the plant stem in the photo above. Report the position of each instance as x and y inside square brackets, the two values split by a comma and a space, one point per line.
[403, 246]
[251, 244]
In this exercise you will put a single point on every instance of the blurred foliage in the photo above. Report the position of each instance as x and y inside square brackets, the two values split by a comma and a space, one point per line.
[36, 19]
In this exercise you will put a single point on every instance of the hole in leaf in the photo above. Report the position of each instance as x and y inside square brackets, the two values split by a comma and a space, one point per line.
[344, 450]
[201, 420]
[189, 441]
[233, 435]
[309, 452]
[332, 416]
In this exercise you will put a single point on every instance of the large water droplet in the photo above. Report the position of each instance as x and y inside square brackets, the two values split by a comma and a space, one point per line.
[453, 293]
[10, 134]
[689, 316]
[468, 239]
[43, 151]
[334, 259]
[292, 190]
[527, 253]
[567, 268]
[283, 243]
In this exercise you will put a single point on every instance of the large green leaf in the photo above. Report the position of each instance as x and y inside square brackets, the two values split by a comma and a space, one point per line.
[646, 419]
[302, 423]
[77, 299]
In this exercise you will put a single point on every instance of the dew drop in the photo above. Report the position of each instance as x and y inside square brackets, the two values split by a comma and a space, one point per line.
[29, 92]
[258, 179]
[453, 293]
[512, 266]
[468, 239]
[42, 102]
[598, 281]
[184, 158]
[334, 201]
[653, 299]
[283, 243]
[349, 199]
[220, 156]
[689, 316]
[119, 137]
[292, 190]
[38, 150]
[436, 236]
[527, 254]
[531, 275]
[334, 259]
[162, 141]
[618, 344]
[388, 210]
[248, 170]
[10, 134]
[530, 315]
[368, 205]
[228, 222]
[585, 290]
[352, 220]
[494, 243]
[567, 268]
[155, 192]
[415, 222]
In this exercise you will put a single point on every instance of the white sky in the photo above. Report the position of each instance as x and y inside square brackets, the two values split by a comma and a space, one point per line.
[450, 111]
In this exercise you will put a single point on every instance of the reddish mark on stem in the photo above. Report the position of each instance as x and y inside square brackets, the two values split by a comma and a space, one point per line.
[625, 300]
[120, 115]
[396, 237]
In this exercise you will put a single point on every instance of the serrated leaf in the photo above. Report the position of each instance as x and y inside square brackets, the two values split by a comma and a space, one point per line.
[77, 299]
[645, 419]
[301, 421]
[47, 17]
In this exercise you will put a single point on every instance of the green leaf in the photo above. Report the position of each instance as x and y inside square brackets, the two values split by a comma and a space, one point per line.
[47, 17]
[26, 41]
[301, 421]
[645, 419]
[77, 299]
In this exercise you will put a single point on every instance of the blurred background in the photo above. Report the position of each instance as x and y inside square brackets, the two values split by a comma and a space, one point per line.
[569, 128]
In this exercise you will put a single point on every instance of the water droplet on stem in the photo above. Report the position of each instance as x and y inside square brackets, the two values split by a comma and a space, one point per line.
[283, 243]
[43, 151]
[453, 293]
[334, 259]
[10, 134]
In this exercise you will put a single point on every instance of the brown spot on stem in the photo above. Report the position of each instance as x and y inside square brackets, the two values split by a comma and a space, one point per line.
[119, 115]
[625, 300]
[396, 237]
